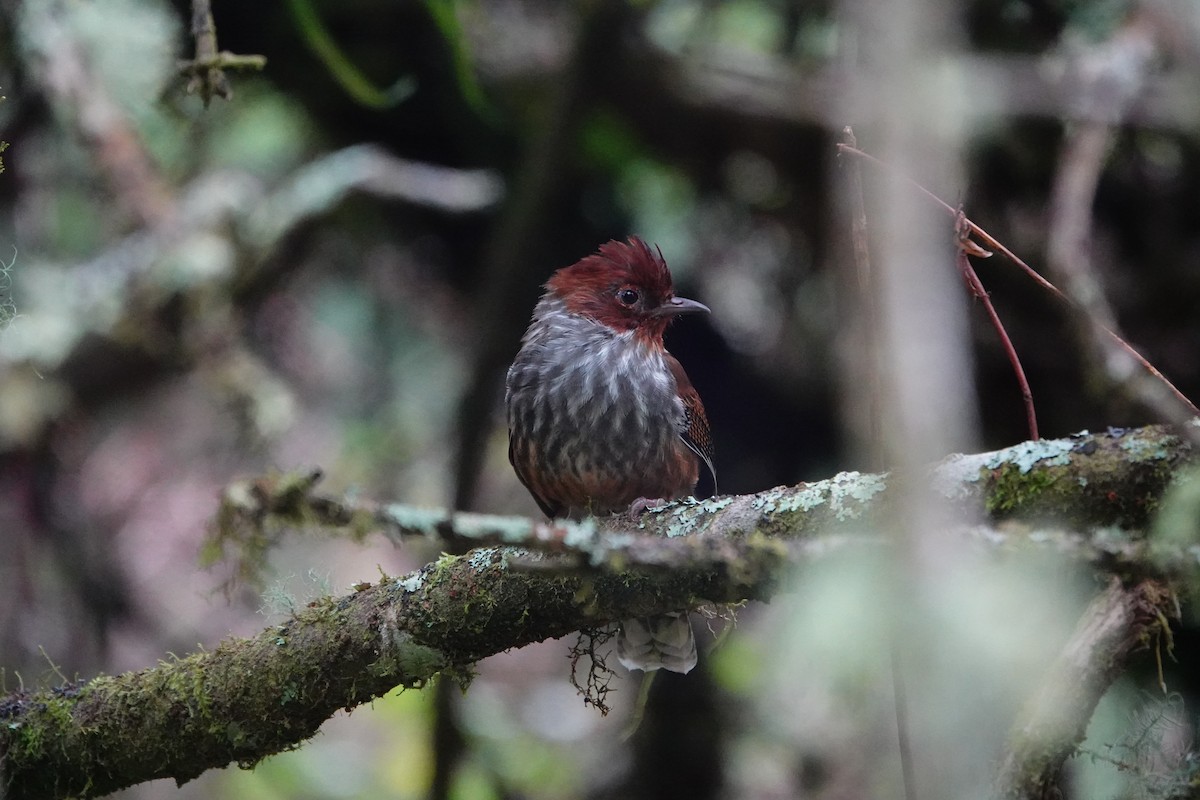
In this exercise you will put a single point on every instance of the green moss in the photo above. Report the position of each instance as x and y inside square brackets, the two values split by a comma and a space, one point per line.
[463, 676]
[1016, 487]
[407, 660]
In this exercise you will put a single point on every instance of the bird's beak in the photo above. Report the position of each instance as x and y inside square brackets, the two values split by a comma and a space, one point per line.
[681, 305]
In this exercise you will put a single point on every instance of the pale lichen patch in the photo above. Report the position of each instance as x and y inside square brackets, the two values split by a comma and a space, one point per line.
[510, 556]
[813, 495]
[411, 583]
[421, 520]
[1026, 455]
[987, 534]
[484, 557]
[952, 477]
[580, 535]
[715, 504]
[685, 516]
[493, 527]
[846, 493]
[849, 492]
[1141, 448]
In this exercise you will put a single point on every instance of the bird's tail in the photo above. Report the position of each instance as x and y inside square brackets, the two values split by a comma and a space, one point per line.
[661, 642]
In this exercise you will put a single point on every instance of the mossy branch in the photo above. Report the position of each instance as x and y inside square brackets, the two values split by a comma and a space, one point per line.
[250, 698]
[530, 581]
[1113, 479]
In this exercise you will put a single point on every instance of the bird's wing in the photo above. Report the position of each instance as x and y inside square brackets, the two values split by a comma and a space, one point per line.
[695, 434]
[551, 510]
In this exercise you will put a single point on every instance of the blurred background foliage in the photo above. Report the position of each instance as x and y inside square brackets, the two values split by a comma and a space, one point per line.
[334, 267]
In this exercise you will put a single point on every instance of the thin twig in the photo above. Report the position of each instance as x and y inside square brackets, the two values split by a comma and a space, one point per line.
[980, 293]
[207, 70]
[207, 80]
[997, 246]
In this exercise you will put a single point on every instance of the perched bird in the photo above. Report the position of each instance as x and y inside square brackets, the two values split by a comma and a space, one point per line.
[601, 416]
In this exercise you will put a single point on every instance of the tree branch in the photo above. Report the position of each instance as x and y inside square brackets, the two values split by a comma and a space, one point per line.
[206, 72]
[1086, 480]
[1117, 623]
[531, 581]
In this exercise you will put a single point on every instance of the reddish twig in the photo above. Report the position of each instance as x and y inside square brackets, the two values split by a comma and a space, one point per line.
[995, 245]
[968, 248]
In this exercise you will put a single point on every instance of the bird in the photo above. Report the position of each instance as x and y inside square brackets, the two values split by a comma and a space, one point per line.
[602, 419]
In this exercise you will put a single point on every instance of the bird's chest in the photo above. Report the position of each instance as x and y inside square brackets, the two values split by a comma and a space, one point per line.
[600, 395]
[602, 418]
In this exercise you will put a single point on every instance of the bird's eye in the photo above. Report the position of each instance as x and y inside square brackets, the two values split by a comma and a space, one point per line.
[628, 296]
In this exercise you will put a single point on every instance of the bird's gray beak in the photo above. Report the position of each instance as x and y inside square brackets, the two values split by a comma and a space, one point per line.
[681, 305]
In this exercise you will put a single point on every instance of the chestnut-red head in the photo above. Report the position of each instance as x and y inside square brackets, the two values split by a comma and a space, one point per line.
[626, 286]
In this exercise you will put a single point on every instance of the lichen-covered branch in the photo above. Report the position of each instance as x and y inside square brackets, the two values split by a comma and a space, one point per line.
[1113, 479]
[530, 581]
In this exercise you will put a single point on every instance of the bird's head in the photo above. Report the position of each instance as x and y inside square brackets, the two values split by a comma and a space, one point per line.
[626, 286]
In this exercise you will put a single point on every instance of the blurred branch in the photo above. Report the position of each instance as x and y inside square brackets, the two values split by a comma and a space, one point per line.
[1110, 479]
[319, 186]
[1111, 77]
[861, 368]
[1122, 620]
[740, 84]
[244, 226]
[758, 87]
[206, 72]
[72, 84]
[532, 581]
